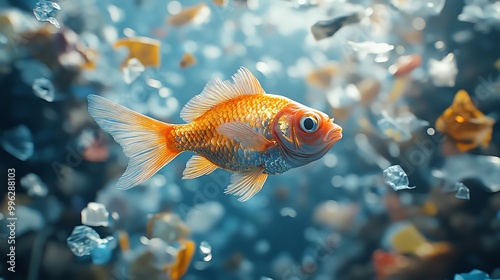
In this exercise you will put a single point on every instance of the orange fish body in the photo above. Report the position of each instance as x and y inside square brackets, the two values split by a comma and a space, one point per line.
[233, 126]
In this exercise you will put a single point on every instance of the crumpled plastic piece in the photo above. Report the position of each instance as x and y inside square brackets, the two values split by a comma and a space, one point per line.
[475, 274]
[146, 50]
[396, 178]
[47, 11]
[83, 240]
[443, 72]
[462, 191]
[465, 124]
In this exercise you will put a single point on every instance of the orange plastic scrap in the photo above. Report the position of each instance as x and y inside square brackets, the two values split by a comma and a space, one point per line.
[386, 263]
[123, 241]
[188, 14]
[184, 257]
[220, 2]
[146, 50]
[187, 60]
[465, 124]
[405, 64]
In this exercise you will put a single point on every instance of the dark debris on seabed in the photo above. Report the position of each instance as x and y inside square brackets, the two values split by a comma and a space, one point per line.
[414, 84]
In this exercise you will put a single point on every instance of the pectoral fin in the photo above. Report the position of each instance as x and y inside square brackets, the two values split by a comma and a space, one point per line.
[198, 166]
[243, 133]
[247, 183]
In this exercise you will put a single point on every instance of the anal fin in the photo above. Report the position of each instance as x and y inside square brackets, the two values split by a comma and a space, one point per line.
[198, 166]
[247, 183]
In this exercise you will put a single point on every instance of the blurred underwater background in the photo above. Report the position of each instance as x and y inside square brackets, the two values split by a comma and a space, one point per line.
[410, 192]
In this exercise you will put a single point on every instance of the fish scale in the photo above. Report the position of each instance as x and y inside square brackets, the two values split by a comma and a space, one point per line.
[201, 136]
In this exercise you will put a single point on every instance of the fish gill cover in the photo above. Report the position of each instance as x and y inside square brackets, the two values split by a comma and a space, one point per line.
[409, 192]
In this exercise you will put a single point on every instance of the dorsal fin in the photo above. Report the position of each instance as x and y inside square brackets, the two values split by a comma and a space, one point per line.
[217, 91]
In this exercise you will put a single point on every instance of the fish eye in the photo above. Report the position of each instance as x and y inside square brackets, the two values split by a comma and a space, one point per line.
[309, 124]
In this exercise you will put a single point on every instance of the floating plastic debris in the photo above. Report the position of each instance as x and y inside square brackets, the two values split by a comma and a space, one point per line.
[83, 240]
[405, 238]
[102, 253]
[443, 72]
[184, 258]
[338, 216]
[18, 142]
[465, 124]
[163, 253]
[327, 28]
[196, 14]
[369, 90]
[221, 3]
[322, 77]
[34, 185]
[393, 130]
[203, 217]
[396, 178]
[486, 169]
[146, 50]
[43, 88]
[475, 274]
[462, 191]
[381, 50]
[288, 212]
[168, 227]
[92, 146]
[385, 262]
[484, 13]
[47, 11]
[187, 60]
[405, 65]
[206, 249]
[420, 8]
[341, 98]
[95, 214]
[400, 129]
[132, 70]
[370, 47]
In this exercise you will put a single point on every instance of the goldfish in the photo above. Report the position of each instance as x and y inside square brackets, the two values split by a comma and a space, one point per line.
[234, 126]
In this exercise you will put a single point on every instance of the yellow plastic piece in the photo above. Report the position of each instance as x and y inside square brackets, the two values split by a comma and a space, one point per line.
[408, 240]
[146, 50]
[187, 60]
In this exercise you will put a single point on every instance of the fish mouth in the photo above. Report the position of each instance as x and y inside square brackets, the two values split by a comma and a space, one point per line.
[335, 133]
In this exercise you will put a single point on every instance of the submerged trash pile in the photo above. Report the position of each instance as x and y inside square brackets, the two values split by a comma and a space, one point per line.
[411, 191]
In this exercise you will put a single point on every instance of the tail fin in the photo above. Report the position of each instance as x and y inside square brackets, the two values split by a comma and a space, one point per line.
[144, 140]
